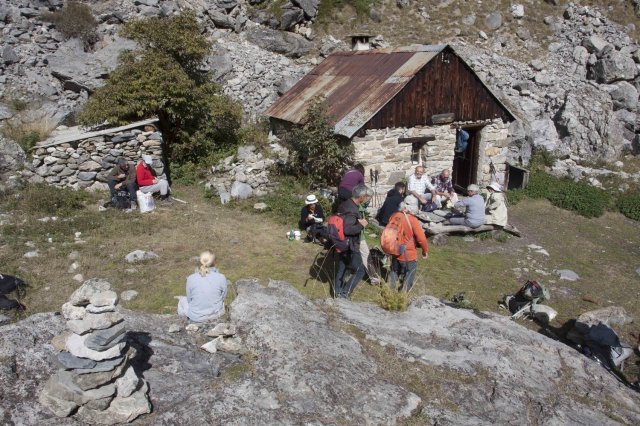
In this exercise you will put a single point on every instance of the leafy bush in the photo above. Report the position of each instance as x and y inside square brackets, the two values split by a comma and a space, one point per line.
[41, 198]
[314, 150]
[629, 205]
[163, 79]
[578, 197]
[392, 300]
[75, 20]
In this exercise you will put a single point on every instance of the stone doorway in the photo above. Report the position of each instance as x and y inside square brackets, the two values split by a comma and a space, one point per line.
[465, 164]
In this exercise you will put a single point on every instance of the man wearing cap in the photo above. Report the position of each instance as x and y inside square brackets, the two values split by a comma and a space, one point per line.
[311, 218]
[123, 178]
[147, 179]
[474, 213]
[496, 205]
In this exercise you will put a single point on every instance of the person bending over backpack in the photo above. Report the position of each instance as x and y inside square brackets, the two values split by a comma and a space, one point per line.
[405, 265]
[147, 179]
[123, 178]
[206, 291]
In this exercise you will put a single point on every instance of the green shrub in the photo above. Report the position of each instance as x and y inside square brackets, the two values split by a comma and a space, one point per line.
[514, 196]
[392, 300]
[629, 205]
[579, 197]
[314, 150]
[41, 198]
[75, 20]
[163, 79]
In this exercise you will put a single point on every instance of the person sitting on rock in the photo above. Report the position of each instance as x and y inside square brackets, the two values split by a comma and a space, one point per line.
[147, 179]
[391, 203]
[496, 206]
[311, 218]
[444, 188]
[473, 216]
[123, 178]
[206, 291]
[419, 185]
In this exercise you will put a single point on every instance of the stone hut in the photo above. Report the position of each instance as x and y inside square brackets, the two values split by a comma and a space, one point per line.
[73, 157]
[403, 107]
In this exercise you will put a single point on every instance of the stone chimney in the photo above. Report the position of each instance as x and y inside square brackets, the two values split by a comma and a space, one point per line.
[360, 42]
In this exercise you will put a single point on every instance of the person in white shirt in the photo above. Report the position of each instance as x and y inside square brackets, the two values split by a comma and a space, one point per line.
[418, 184]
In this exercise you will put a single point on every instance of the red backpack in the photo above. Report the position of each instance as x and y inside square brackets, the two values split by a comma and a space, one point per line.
[335, 233]
[393, 240]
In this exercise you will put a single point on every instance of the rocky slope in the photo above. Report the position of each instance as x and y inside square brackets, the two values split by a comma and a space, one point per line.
[336, 362]
[578, 96]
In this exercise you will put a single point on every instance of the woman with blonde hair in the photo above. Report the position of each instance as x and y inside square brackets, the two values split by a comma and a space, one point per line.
[206, 291]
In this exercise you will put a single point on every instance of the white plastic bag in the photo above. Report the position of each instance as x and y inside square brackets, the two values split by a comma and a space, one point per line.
[145, 202]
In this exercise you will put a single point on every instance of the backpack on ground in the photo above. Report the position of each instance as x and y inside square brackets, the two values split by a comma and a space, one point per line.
[121, 200]
[535, 291]
[335, 234]
[393, 241]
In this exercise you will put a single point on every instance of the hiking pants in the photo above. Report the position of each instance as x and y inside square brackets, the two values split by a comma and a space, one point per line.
[162, 186]
[406, 271]
[353, 261]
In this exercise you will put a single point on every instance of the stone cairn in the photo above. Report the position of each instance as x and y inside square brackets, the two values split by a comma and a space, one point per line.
[96, 382]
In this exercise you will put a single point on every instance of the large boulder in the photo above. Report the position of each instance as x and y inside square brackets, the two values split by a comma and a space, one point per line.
[545, 136]
[80, 70]
[12, 156]
[587, 125]
[614, 66]
[285, 43]
[335, 362]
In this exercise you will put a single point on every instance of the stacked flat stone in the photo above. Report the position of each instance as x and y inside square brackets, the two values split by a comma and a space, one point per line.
[96, 382]
[85, 164]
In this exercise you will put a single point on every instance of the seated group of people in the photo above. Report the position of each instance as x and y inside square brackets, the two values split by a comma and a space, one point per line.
[125, 177]
[438, 193]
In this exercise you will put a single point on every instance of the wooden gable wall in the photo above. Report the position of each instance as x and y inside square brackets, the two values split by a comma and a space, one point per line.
[444, 85]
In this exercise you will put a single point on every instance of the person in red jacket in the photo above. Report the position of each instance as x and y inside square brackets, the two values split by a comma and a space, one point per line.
[405, 265]
[147, 179]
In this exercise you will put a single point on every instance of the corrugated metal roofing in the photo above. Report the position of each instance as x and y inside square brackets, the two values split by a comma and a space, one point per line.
[356, 85]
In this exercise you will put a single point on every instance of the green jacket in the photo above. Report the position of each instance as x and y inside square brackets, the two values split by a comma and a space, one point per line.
[130, 175]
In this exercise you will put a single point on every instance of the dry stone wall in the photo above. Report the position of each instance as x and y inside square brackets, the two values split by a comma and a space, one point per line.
[384, 151]
[85, 164]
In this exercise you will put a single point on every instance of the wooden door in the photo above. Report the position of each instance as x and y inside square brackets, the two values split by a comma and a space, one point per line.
[465, 164]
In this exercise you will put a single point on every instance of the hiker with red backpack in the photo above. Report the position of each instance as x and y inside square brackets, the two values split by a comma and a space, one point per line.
[400, 239]
[349, 255]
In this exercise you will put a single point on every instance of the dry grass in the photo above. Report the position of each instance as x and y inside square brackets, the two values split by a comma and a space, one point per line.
[605, 252]
[27, 134]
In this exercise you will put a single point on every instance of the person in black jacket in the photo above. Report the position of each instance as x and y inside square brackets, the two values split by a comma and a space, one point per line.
[394, 197]
[353, 226]
[311, 218]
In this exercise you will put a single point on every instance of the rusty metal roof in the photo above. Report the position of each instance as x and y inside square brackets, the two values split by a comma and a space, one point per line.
[356, 85]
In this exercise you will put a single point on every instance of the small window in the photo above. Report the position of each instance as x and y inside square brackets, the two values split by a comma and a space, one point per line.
[418, 148]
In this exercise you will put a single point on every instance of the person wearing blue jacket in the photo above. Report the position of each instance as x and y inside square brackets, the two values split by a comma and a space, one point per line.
[206, 291]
